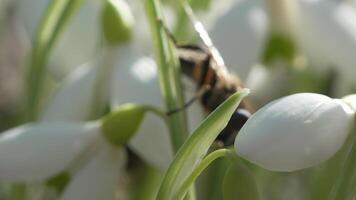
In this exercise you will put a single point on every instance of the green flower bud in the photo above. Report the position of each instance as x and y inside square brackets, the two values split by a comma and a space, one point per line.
[120, 125]
[117, 21]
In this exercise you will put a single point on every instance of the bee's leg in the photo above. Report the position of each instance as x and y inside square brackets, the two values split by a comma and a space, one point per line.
[198, 95]
[168, 32]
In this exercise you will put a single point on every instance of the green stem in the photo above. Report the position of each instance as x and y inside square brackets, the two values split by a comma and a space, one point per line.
[169, 74]
[157, 111]
[344, 182]
[53, 22]
[169, 77]
[199, 169]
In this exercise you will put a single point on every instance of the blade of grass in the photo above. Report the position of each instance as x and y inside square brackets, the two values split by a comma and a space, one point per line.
[57, 15]
[195, 148]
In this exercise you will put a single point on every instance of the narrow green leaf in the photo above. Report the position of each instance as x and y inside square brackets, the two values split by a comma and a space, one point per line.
[53, 22]
[195, 148]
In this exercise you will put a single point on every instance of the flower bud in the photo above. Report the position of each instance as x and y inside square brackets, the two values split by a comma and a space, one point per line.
[119, 126]
[295, 132]
[117, 21]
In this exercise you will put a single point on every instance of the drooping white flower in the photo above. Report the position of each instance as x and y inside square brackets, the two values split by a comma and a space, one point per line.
[33, 152]
[131, 78]
[295, 132]
[38, 151]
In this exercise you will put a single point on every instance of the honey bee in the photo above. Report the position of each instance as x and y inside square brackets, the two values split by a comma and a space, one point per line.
[205, 66]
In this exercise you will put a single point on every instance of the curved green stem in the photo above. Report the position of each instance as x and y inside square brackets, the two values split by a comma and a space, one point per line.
[157, 111]
[200, 168]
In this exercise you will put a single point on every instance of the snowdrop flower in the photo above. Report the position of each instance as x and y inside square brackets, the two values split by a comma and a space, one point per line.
[91, 152]
[328, 35]
[34, 152]
[133, 79]
[295, 132]
[324, 32]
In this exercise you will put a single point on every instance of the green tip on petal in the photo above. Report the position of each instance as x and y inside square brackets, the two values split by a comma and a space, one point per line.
[117, 21]
[120, 125]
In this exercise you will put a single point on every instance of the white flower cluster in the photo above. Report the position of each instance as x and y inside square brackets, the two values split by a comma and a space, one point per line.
[288, 134]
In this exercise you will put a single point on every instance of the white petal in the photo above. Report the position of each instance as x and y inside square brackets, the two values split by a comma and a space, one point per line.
[99, 178]
[136, 81]
[37, 151]
[295, 132]
[72, 101]
[239, 35]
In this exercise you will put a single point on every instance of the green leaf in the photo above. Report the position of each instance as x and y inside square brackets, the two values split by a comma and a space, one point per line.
[195, 148]
[58, 13]
[239, 183]
[117, 21]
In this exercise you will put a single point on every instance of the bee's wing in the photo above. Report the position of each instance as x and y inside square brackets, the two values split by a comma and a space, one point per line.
[204, 36]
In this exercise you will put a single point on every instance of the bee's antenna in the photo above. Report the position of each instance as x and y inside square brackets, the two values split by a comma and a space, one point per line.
[203, 34]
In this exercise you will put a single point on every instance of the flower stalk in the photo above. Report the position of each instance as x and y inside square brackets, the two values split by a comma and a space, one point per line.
[169, 74]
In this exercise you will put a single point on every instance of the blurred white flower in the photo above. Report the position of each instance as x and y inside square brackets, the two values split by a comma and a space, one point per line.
[135, 80]
[295, 132]
[79, 41]
[239, 35]
[328, 36]
[37, 151]
[325, 32]
[131, 78]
